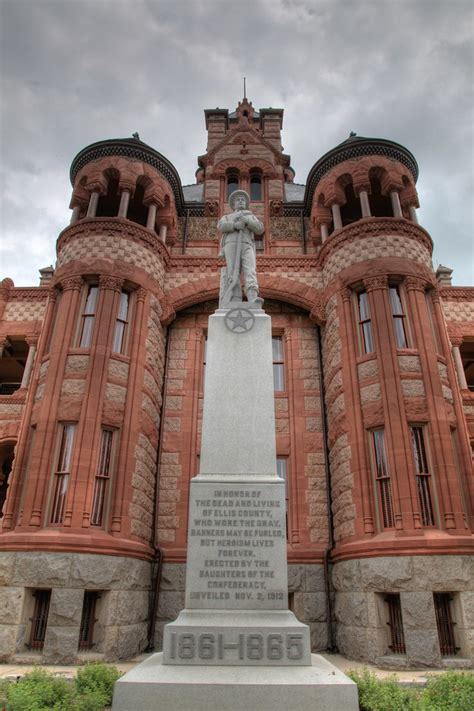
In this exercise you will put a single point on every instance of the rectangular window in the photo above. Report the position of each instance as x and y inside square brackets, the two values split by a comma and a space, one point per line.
[278, 364]
[88, 620]
[39, 620]
[260, 243]
[395, 624]
[382, 477]
[88, 316]
[445, 624]
[121, 323]
[423, 476]
[398, 316]
[365, 325]
[62, 473]
[102, 478]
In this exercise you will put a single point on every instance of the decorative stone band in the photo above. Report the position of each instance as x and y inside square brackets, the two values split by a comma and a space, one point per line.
[113, 226]
[370, 227]
[19, 293]
[453, 293]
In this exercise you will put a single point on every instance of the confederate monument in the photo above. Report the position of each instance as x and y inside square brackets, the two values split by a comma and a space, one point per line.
[236, 645]
[238, 248]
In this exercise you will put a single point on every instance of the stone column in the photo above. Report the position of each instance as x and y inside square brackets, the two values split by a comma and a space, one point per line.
[124, 200]
[3, 343]
[396, 207]
[25, 381]
[336, 216]
[163, 232]
[93, 202]
[324, 232]
[75, 214]
[364, 203]
[133, 404]
[395, 421]
[413, 214]
[151, 219]
[455, 343]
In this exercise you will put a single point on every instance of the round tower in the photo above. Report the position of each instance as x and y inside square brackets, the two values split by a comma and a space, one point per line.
[82, 492]
[399, 455]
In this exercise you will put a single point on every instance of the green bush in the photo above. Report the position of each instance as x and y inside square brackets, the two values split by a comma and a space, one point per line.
[97, 680]
[380, 694]
[40, 691]
[452, 691]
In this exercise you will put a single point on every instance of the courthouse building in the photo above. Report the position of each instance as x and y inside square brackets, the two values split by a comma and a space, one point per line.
[102, 375]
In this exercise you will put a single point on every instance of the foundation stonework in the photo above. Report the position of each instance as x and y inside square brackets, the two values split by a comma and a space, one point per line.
[373, 401]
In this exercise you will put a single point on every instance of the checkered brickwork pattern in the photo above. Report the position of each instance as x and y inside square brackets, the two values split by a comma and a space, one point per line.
[459, 311]
[24, 311]
[112, 247]
[374, 247]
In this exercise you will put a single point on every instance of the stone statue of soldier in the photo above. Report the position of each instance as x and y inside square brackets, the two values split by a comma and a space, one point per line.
[238, 249]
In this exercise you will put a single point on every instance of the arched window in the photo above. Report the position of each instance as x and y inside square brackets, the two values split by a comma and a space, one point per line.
[255, 186]
[380, 205]
[232, 183]
[351, 211]
[137, 211]
[108, 204]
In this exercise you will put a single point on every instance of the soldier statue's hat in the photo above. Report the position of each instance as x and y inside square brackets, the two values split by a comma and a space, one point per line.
[236, 194]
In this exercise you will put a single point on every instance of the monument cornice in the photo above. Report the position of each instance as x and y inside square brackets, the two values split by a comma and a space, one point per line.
[457, 293]
[29, 293]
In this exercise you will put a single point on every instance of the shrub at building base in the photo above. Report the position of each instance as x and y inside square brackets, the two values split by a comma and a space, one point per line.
[39, 690]
[452, 691]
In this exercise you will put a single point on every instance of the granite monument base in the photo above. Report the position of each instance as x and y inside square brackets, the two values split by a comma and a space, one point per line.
[153, 686]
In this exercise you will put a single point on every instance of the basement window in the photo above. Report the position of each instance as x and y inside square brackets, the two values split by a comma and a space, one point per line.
[88, 620]
[445, 624]
[395, 623]
[39, 620]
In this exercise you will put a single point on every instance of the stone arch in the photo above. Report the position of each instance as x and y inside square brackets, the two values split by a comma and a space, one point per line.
[271, 286]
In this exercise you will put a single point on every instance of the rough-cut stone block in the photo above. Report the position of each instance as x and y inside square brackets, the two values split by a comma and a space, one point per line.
[11, 605]
[8, 638]
[7, 564]
[352, 642]
[422, 647]
[315, 581]
[444, 572]
[346, 575]
[170, 604]
[418, 610]
[65, 608]
[101, 572]
[386, 574]
[296, 578]
[127, 607]
[61, 645]
[467, 607]
[351, 609]
[131, 640]
[319, 636]
[42, 569]
[314, 607]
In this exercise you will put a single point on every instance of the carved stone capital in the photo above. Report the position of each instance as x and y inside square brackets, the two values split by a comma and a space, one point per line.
[456, 341]
[31, 340]
[96, 186]
[345, 293]
[376, 283]
[415, 284]
[72, 283]
[140, 294]
[110, 283]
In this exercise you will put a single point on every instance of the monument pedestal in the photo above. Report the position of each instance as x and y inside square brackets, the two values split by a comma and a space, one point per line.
[236, 645]
[154, 686]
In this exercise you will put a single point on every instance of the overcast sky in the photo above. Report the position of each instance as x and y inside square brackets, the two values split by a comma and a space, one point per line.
[78, 71]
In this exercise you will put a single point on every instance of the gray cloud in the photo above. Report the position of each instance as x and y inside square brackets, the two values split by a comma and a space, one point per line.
[78, 71]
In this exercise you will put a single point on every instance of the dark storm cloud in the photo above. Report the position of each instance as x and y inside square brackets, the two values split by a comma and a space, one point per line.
[76, 72]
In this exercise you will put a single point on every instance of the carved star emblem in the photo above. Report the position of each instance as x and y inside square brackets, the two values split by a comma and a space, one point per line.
[239, 320]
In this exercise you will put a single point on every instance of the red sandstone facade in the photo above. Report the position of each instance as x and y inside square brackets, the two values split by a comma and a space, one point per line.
[102, 379]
